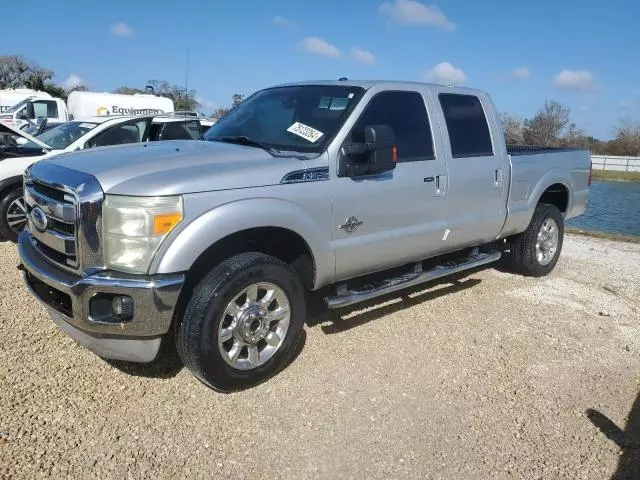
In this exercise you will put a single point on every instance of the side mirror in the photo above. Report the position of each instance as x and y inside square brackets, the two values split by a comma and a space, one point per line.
[377, 154]
[30, 111]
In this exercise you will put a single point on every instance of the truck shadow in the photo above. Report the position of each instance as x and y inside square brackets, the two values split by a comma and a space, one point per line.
[168, 364]
[334, 322]
[628, 440]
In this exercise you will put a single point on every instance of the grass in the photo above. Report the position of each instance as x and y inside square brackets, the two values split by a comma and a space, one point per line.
[603, 235]
[615, 175]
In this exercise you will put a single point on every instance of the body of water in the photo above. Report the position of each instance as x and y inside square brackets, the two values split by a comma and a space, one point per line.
[614, 207]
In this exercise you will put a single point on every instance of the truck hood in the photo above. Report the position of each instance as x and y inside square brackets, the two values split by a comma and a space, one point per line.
[10, 129]
[180, 166]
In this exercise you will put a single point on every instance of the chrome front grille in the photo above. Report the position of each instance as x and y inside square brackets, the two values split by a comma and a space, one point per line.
[71, 201]
[58, 241]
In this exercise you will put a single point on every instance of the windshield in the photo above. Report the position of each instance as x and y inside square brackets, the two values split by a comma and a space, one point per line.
[60, 137]
[298, 118]
[18, 106]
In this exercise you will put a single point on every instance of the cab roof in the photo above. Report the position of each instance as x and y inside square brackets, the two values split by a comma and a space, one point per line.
[367, 84]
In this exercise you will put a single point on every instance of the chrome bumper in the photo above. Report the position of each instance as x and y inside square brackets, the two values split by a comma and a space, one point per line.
[67, 298]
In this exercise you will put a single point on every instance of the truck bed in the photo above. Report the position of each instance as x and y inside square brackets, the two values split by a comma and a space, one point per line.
[535, 169]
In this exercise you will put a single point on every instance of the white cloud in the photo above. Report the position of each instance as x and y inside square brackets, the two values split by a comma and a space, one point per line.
[410, 12]
[319, 46]
[626, 105]
[72, 81]
[576, 80]
[446, 74]
[208, 104]
[521, 73]
[363, 56]
[121, 29]
[282, 22]
[518, 73]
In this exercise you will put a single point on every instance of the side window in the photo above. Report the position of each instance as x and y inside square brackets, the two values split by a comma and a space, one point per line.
[129, 132]
[45, 108]
[467, 125]
[406, 114]
[179, 131]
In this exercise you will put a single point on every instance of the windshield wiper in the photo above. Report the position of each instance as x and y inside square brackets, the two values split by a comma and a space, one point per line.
[244, 140]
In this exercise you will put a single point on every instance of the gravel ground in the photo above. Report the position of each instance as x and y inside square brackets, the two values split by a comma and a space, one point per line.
[491, 376]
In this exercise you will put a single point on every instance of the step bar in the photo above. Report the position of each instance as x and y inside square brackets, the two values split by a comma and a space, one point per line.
[346, 297]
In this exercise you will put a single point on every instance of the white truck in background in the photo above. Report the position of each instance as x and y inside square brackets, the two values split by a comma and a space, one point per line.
[12, 96]
[80, 105]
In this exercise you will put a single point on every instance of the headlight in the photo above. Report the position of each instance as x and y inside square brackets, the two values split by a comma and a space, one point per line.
[134, 227]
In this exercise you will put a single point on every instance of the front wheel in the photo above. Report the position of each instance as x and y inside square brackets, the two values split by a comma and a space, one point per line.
[535, 251]
[243, 322]
[13, 214]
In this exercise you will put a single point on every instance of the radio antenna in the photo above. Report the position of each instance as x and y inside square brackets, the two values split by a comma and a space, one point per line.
[186, 84]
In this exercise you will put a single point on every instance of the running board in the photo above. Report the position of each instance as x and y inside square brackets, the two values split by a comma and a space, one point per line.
[346, 297]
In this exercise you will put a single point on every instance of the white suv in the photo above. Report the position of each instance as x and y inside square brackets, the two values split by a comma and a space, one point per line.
[18, 150]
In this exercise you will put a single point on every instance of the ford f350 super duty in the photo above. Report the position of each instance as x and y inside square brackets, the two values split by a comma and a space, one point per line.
[361, 187]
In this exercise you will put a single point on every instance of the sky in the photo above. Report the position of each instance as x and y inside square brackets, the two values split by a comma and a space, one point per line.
[584, 54]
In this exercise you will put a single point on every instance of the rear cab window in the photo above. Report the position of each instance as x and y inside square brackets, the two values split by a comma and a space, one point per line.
[467, 125]
[181, 130]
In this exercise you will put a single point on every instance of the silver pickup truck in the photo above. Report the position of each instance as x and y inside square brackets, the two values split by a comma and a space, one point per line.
[361, 187]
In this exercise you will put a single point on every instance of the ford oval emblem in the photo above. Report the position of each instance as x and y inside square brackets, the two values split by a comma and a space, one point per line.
[39, 219]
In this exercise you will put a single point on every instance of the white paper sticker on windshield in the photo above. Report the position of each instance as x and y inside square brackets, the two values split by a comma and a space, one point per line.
[305, 131]
[87, 125]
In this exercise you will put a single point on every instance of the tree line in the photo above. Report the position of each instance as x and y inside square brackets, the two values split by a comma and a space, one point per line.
[18, 72]
[551, 126]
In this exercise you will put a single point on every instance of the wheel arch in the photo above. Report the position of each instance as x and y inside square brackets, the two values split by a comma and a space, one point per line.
[9, 183]
[273, 226]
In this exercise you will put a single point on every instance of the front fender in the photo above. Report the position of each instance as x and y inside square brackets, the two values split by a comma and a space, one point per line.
[180, 250]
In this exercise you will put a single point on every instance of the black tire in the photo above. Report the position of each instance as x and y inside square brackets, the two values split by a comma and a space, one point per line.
[523, 247]
[197, 335]
[7, 199]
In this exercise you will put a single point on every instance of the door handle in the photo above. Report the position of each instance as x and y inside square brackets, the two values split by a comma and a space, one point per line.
[497, 178]
[441, 185]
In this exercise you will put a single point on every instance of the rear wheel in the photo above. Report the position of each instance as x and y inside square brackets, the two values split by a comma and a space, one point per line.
[243, 322]
[13, 214]
[535, 251]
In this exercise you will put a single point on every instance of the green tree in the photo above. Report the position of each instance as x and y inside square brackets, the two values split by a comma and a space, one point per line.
[627, 141]
[18, 72]
[512, 128]
[548, 124]
[182, 100]
[236, 99]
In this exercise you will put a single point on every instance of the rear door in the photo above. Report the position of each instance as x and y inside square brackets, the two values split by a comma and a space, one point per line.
[398, 216]
[132, 131]
[476, 165]
[178, 130]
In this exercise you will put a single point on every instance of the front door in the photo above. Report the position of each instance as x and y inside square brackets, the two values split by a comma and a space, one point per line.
[396, 217]
[46, 109]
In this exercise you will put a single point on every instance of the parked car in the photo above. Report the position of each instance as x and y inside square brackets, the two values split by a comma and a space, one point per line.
[79, 105]
[18, 150]
[364, 188]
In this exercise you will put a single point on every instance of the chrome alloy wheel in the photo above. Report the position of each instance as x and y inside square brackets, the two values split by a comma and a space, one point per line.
[254, 326]
[17, 215]
[547, 241]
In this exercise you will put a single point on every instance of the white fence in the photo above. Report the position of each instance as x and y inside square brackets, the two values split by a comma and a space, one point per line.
[610, 162]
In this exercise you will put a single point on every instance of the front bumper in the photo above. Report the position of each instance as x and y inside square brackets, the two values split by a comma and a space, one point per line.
[67, 298]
